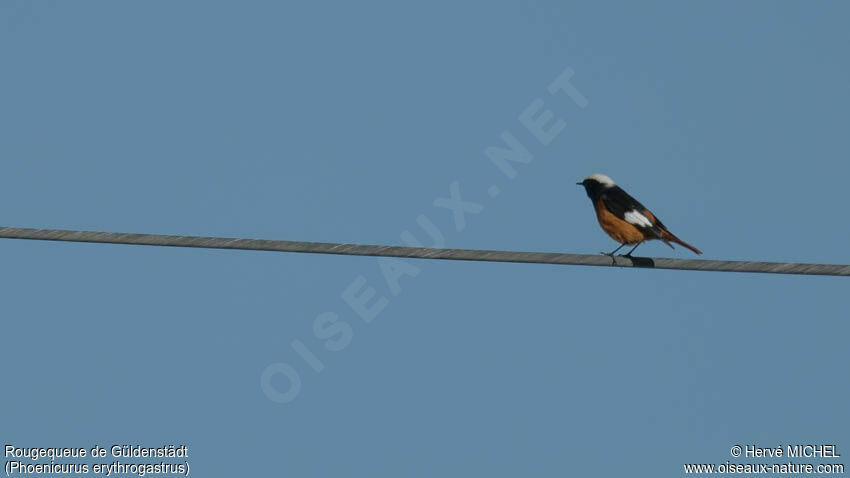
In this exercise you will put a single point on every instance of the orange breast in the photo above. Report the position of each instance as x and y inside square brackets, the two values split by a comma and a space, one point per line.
[619, 230]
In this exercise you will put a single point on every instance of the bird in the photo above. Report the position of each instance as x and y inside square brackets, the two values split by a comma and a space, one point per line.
[624, 218]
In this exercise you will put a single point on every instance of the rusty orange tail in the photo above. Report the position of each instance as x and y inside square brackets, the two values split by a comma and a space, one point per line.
[670, 237]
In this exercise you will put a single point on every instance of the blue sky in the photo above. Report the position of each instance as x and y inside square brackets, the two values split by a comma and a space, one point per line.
[345, 122]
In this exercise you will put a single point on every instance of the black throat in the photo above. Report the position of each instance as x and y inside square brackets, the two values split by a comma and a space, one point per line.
[593, 188]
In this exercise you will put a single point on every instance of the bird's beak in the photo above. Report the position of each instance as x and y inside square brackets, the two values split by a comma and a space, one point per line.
[580, 184]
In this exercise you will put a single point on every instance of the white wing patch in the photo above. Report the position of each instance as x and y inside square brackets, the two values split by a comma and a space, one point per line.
[638, 219]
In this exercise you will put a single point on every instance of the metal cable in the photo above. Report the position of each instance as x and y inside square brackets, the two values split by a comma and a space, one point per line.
[422, 252]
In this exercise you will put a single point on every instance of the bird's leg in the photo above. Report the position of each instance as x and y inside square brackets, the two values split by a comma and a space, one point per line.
[629, 254]
[611, 254]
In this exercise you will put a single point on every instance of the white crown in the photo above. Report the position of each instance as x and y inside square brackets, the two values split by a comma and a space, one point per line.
[602, 179]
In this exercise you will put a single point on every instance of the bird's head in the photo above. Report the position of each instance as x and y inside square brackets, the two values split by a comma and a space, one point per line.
[595, 184]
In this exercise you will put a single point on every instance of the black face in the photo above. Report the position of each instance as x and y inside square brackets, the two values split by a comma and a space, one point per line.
[592, 187]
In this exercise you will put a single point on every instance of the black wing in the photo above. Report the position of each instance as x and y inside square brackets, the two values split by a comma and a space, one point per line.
[620, 203]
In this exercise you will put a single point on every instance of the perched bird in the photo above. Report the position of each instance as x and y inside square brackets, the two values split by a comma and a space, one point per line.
[625, 219]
